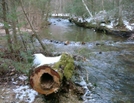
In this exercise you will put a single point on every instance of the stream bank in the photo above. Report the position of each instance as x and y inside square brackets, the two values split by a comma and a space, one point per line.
[106, 66]
[109, 60]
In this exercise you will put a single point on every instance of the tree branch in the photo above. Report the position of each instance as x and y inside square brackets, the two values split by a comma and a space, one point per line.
[87, 8]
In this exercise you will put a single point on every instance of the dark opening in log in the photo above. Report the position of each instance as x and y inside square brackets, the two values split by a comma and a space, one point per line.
[47, 81]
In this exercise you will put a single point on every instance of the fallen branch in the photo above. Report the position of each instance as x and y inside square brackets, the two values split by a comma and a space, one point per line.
[87, 8]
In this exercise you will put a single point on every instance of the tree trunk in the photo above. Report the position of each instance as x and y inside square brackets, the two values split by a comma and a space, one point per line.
[47, 78]
[14, 20]
[6, 25]
[102, 5]
[120, 14]
[45, 21]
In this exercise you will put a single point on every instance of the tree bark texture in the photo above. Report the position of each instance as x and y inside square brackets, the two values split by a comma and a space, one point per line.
[47, 79]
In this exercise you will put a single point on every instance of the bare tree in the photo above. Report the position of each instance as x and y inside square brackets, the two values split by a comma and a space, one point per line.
[119, 12]
[35, 34]
[102, 2]
[13, 13]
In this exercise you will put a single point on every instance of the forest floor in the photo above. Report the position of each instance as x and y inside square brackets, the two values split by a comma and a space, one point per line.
[15, 88]
[14, 84]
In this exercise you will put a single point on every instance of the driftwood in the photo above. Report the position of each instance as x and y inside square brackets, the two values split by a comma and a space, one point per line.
[47, 78]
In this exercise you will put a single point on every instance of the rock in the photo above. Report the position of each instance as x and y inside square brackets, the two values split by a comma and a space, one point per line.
[131, 37]
[66, 42]
[83, 43]
[59, 20]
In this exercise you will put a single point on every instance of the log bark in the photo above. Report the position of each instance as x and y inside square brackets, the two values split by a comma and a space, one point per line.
[47, 79]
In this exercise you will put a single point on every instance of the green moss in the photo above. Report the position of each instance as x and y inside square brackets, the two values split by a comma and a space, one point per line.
[68, 70]
[65, 66]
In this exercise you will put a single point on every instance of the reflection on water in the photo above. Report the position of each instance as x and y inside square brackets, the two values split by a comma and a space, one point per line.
[64, 30]
[110, 60]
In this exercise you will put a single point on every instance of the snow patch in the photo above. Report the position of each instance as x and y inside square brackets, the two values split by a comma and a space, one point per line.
[22, 77]
[1, 24]
[109, 26]
[127, 24]
[24, 93]
[132, 24]
[60, 14]
[106, 25]
[41, 59]
[89, 19]
[88, 95]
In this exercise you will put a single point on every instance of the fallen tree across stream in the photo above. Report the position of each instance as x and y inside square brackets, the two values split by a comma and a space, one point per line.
[118, 31]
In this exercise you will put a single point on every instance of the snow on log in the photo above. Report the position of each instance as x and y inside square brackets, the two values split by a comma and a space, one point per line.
[40, 59]
[46, 77]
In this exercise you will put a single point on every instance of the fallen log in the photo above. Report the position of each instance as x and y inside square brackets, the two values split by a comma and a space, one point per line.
[46, 78]
[122, 32]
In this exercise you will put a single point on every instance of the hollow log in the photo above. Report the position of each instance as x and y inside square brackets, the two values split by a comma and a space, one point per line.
[47, 78]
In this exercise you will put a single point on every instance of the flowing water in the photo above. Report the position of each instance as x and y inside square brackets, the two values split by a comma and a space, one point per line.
[109, 61]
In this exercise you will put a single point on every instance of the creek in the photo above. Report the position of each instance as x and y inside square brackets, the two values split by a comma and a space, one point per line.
[109, 61]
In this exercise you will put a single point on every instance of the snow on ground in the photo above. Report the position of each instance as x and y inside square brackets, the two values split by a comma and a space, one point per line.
[1, 25]
[23, 77]
[18, 92]
[24, 93]
[87, 97]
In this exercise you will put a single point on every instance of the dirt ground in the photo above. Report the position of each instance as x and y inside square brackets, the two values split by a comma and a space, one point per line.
[14, 88]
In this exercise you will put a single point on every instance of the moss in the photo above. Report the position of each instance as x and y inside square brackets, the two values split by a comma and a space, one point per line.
[65, 67]
[68, 70]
